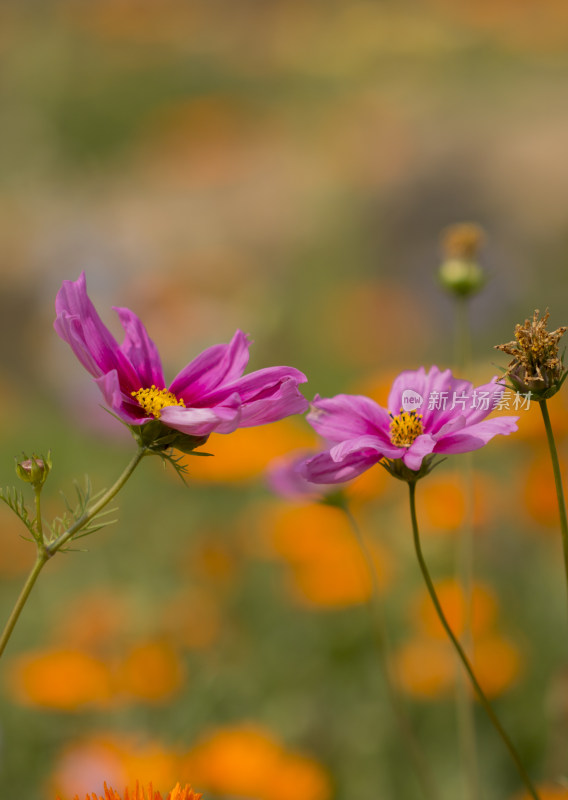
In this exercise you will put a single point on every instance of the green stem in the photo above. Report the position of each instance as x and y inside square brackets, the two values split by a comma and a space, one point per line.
[423, 773]
[46, 551]
[38, 520]
[464, 569]
[21, 601]
[460, 652]
[558, 483]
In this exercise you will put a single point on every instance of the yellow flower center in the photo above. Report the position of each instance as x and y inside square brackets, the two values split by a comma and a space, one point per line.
[405, 427]
[153, 400]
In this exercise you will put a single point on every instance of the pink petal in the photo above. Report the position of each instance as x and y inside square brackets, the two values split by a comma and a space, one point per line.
[140, 350]
[323, 469]
[422, 446]
[203, 421]
[347, 416]
[78, 324]
[475, 436]
[214, 367]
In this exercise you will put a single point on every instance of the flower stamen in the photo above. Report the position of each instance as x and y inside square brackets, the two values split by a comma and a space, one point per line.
[153, 400]
[405, 428]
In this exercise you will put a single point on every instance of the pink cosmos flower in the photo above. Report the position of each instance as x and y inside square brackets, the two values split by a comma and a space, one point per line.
[428, 413]
[209, 395]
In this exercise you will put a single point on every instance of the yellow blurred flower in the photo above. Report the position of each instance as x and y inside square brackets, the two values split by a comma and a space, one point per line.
[249, 762]
[326, 566]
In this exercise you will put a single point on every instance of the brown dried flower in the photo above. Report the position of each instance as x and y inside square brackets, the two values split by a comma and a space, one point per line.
[536, 366]
[462, 240]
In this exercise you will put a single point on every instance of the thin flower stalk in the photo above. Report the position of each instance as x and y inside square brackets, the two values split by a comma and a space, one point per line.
[422, 769]
[461, 244]
[460, 652]
[46, 549]
[537, 368]
[558, 484]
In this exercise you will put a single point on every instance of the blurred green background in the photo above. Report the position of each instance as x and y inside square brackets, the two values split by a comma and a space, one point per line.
[285, 168]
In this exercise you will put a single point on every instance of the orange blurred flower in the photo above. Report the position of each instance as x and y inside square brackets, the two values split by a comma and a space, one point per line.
[71, 679]
[17, 553]
[193, 618]
[121, 761]
[177, 793]
[539, 491]
[425, 668]
[453, 602]
[497, 663]
[249, 762]
[326, 566]
[98, 617]
[428, 668]
[59, 678]
[151, 671]
[442, 503]
[547, 791]
[246, 453]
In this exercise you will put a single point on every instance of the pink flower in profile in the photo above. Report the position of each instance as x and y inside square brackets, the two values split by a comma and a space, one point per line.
[209, 395]
[428, 413]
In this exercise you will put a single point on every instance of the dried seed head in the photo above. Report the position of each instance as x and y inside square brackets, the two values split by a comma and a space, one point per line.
[536, 366]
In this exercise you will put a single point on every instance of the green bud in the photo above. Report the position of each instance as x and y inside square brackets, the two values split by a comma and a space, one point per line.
[34, 470]
[461, 277]
[460, 272]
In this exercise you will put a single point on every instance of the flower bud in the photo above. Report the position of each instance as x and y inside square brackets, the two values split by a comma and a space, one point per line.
[460, 272]
[34, 470]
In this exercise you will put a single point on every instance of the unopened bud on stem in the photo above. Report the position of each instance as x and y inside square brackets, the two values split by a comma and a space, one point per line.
[460, 272]
[34, 470]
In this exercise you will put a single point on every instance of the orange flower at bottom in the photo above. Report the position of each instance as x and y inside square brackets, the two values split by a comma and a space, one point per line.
[547, 792]
[177, 793]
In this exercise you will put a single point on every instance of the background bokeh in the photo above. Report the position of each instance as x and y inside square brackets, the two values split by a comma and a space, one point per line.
[285, 168]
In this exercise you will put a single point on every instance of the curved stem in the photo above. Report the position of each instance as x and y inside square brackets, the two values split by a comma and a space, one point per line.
[423, 773]
[46, 551]
[558, 483]
[461, 654]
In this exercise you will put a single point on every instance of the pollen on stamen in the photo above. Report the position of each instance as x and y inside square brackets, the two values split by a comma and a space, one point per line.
[405, 428]
[153, 400]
